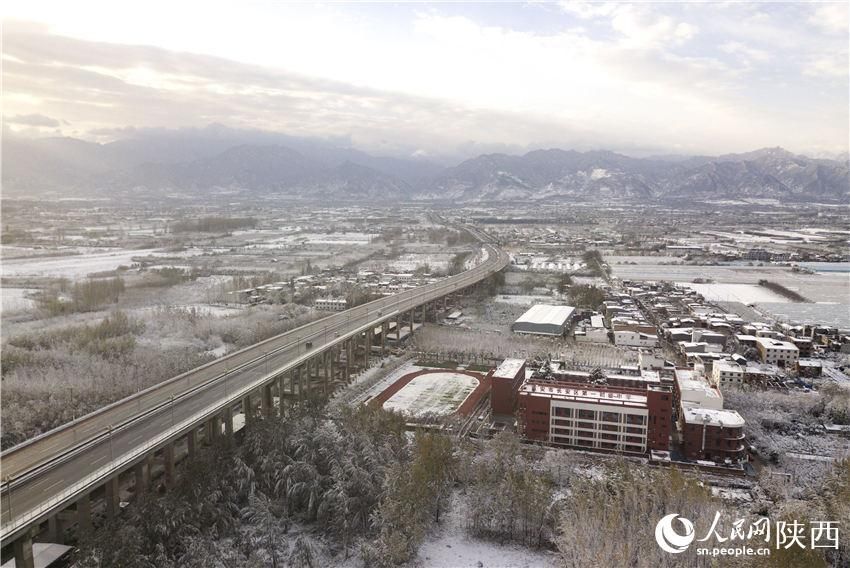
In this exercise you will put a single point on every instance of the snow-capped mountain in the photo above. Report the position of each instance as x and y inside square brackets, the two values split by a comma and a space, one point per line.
[219, 158]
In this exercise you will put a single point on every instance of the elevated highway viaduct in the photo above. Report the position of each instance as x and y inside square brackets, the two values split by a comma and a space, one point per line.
[56, 478]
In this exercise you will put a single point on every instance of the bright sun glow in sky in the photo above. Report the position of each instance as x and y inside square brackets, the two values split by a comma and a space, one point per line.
[439, 78]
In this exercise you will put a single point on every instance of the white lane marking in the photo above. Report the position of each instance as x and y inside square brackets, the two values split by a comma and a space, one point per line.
[40, 481]
[49, 487]
[139, 437]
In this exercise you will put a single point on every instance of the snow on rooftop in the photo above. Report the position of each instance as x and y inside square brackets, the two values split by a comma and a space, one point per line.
[691, 383]
[509, 368]
[547, 314]
[713, 417]
[726, 365]
[769, 343]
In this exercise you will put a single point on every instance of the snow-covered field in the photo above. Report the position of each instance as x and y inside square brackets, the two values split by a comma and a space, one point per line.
[351, 238]
[744, 293]
[76, 266]
[15, 300]
[437, 393]
[520, 300]
[199, 309]
[837, 315]
[449, 546]
[820, 287]
[411, 261]
[376, 388]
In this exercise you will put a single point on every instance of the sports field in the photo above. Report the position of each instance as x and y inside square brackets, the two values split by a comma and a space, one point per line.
[434, 393]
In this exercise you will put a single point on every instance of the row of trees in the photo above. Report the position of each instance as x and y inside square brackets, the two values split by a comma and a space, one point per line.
[507, 499]
[585, 296]
[213, 224]
[595, 263]
[84, 296]
[309, 490]
[55, 374]
[355, 480]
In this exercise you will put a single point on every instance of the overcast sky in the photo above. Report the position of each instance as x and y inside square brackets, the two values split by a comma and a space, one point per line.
[438, 79]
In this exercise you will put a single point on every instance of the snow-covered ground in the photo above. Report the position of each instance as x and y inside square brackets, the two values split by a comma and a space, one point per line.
[821, 287]
[351, 238]
[834, 314]
[199, 309]
[372, 388]
[744, 293]
[449, 546]
[79, 265]
[411, 261]
[14, 300]
[436, 393]
[521, 300]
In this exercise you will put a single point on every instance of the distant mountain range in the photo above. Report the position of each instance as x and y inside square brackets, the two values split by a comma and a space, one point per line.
[216, 159]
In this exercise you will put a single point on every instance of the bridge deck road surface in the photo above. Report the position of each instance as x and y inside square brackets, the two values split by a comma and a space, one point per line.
[66, 467]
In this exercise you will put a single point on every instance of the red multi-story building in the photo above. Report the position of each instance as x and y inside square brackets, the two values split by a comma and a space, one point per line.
[708, 431]
[596, 416]
[505, 382]
[710, 434]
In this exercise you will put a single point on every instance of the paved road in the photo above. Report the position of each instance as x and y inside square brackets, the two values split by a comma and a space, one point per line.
[43, 469]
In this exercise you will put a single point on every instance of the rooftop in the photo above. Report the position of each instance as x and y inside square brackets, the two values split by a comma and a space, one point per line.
[509, 368]
[729, 366]
[769, 343]
[692, 383]
[713, 417]
[547, 314]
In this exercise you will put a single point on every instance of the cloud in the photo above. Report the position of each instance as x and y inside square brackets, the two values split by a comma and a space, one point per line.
[588, 10]
[34, 120]
[745, 51]
[439, 79]
[831, 17]
[642, 28]
[828, 66]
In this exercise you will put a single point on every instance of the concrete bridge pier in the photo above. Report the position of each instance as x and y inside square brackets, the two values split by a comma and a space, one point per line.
[247, 410]
[228, 417]
[281, 392]
[191, 440]
[84, 514]
[168, 464]
[143, 475]
[303, 381]
[385, 329]
[112, 489]
[23, 551]
[56, 529]
[268, 401]
[348, 361]
[327, 373]
[212, 429]
[139, 473]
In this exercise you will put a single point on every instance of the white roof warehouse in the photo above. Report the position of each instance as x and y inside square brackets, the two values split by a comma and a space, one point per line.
[543, 319]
